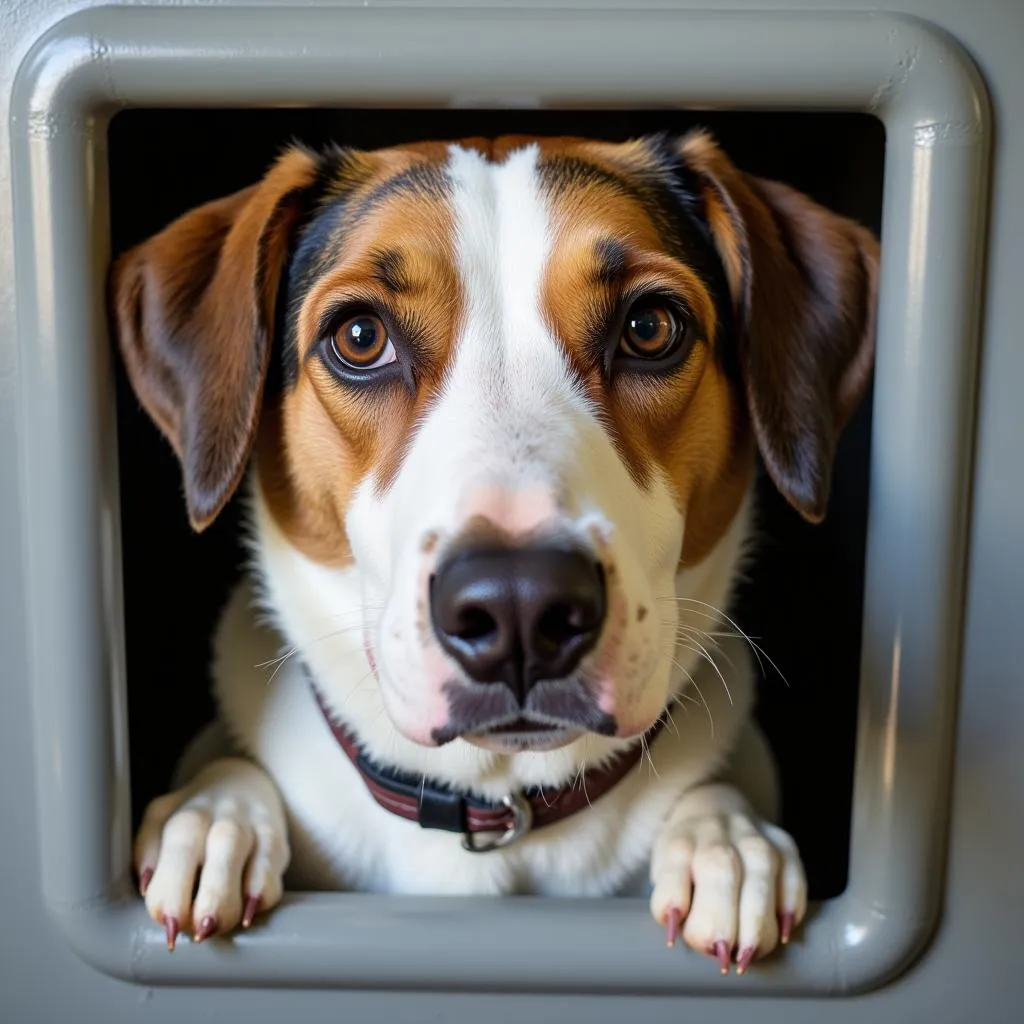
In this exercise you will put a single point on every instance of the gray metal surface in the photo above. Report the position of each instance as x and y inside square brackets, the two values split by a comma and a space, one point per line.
[58, 529]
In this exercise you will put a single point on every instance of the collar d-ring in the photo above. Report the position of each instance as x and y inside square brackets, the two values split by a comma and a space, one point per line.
[522, 822]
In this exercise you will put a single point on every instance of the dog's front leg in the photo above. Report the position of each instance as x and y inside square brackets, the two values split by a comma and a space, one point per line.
[228, 826]
[732, 884]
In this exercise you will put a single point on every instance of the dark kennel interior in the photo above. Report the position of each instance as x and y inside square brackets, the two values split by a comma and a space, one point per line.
[802, 599]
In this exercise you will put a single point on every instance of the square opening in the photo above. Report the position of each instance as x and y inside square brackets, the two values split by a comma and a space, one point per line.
[803, 599]
[89, 544]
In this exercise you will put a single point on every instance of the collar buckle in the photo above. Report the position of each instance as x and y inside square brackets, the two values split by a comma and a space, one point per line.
[522, 822]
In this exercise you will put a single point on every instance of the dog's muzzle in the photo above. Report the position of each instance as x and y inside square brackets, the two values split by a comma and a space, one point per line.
[518, 621]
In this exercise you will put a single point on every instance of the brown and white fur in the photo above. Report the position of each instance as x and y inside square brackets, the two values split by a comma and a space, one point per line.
[505, 405]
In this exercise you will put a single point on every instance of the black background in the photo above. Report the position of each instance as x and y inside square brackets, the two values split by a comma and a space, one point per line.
[802, 599]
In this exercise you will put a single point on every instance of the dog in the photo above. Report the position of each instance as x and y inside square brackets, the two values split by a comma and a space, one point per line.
[497, 407]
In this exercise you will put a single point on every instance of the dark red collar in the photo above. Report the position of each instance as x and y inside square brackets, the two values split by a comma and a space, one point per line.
[438, 806]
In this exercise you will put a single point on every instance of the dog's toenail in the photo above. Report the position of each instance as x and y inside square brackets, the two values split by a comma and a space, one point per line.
[252, 906]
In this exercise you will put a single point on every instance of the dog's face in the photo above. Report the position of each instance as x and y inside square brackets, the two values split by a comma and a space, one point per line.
[518, 388]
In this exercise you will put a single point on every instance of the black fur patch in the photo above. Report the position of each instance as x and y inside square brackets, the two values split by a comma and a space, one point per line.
[389, 270]
[313, 248]
[680, 202]
[611, 261]
[425, 179]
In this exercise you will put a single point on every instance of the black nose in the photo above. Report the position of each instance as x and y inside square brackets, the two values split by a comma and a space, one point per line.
[518, 615]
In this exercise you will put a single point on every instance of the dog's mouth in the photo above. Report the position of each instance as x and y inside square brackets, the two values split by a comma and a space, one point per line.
[525, 733]
[555, 714]
[522, 734]
[522, 726]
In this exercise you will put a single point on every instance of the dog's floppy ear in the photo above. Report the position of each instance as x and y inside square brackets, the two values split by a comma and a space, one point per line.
[193, 312]
[804, 283]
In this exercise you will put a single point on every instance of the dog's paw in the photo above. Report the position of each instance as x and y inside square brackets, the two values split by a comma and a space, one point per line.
[731, 885]
[228, 827]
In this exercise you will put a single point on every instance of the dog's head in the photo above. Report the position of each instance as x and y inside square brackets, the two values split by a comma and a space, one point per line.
[517, 387]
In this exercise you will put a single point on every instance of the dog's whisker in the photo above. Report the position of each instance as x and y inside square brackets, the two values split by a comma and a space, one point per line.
[579, 775]
[291, 654]
[320, 639]
[274, 661]
[584, 780]
[715, 636]
[702, 650]
[759, 652]
[352, 692]
[281, 665]
[710, 638]
[645, 751]
[697, 636]
[693, 683]
[392, 742]
[678, 700]
[282, 659]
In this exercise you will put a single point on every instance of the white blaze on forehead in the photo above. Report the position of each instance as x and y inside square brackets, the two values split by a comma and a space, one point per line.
[503, 242]
[509, 377]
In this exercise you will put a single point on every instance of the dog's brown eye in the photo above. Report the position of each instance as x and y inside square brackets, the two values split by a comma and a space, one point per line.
[650, 332]
[362, 342]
